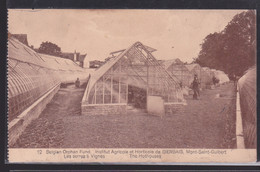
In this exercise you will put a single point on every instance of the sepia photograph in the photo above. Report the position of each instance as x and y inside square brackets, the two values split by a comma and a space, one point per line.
[93, 83]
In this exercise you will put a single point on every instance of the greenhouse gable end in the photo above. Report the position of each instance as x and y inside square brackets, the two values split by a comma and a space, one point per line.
[129, 79]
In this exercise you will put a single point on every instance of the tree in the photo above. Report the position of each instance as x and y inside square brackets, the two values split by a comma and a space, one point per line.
[232, 50]
[49, 48]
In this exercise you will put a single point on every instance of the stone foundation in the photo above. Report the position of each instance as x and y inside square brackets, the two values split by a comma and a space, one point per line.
[104, 109]
[121, 109]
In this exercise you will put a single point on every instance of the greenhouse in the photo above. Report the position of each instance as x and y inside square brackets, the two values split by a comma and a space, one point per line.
[208, 71]
[134, 77]
[223, 78]
[247, 91]
[177, 69]
[31, 75]
[203, 75]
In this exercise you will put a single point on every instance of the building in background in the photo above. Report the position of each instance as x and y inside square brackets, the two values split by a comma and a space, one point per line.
[21, 37]
[95, 64]
[76, 57]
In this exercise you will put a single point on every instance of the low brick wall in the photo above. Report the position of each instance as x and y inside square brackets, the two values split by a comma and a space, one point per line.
[104, 109]
[121, 109]
[172, 108]
[18, 125]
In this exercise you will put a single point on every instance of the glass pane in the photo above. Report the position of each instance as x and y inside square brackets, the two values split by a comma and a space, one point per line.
[107, 99]
[99, 99]
[115, 98]
[91, 96]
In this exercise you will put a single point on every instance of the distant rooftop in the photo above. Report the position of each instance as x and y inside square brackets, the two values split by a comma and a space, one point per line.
[22, 38]
[168, 63]
[192, 66]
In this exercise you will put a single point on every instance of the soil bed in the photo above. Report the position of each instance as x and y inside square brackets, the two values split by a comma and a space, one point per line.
[205, 123]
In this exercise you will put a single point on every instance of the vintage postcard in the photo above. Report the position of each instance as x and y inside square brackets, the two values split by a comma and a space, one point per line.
[131, 86]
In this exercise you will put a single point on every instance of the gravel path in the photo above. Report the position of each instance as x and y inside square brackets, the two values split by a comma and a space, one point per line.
[205, 123]
[48, 131]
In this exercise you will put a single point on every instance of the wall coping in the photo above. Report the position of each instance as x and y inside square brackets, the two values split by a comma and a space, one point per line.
[25, 112]
[110, 104]
[176, 103]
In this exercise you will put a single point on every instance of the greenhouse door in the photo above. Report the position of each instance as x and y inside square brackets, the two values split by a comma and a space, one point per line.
[137, 97]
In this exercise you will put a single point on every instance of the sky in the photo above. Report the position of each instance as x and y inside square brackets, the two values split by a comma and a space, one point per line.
[174, 33]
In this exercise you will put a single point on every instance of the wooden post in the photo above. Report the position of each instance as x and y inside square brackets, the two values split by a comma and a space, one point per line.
[103, 89]
[168, 95]
[111, 91]
[200, 78]
[119, 81]
[96, 93]
[127, 84]
[147, 89]
[119, 90]
[181, 75]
